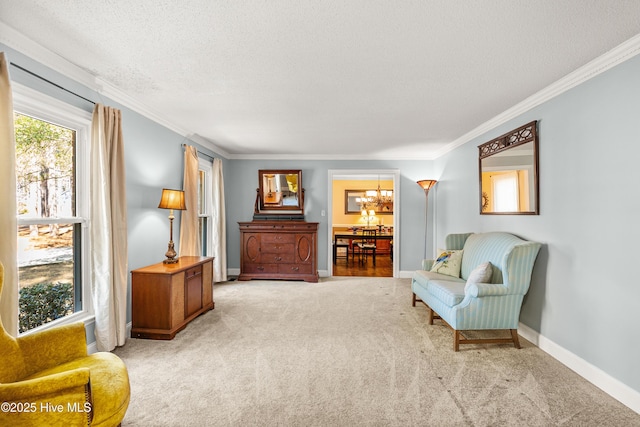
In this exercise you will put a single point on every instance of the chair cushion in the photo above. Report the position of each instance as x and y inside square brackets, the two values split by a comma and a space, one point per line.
[448, 262]
[450, 292]
[424, 278]
[366, 245]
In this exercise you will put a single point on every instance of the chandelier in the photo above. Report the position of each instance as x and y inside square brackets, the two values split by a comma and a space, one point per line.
[380, 199]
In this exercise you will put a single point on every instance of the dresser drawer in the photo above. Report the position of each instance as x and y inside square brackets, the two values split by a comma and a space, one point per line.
[277, 248]
[277, 258]
[260, 268]
[294, 269]
[278, 238]
[195, 271]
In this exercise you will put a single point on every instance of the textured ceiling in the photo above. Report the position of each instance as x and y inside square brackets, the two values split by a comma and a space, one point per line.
[333, 78]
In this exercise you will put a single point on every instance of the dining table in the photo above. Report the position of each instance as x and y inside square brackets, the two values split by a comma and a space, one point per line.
[365, 233]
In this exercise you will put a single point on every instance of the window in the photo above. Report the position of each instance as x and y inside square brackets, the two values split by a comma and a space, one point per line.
[505, 191]
[51, 172]
[205, 169]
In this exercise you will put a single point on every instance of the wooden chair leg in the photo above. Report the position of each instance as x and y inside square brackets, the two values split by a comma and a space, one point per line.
[456, 340]
[514, 337]
[413, 299]
[430, 316]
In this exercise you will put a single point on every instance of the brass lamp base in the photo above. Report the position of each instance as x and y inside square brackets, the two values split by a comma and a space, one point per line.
[170, 254]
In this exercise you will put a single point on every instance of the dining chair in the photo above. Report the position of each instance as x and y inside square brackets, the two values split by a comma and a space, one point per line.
[367, 245]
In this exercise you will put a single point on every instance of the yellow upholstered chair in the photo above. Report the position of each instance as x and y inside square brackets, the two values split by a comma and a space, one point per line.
[47, 379]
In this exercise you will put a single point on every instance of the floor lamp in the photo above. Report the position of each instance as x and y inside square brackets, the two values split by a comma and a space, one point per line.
[426, 185]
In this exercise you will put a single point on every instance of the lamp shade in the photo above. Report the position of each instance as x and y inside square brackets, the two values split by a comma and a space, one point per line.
[172, 199]
[426, 184]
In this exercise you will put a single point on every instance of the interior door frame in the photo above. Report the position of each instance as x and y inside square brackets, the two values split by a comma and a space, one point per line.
[334, 174]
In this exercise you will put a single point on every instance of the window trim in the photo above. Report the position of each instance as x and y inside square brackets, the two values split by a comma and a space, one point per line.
[33, 103]
[207, 166]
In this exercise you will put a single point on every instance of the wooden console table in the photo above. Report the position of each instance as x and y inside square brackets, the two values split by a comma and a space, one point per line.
[166, 297]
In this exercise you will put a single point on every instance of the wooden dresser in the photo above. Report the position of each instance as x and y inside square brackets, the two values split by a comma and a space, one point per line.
[166, 297]
[279, 249]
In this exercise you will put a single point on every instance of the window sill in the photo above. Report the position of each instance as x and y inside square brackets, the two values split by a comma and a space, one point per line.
[86, 318]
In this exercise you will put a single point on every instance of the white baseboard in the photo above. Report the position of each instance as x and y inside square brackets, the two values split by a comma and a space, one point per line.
[613, 387]
[406, 274]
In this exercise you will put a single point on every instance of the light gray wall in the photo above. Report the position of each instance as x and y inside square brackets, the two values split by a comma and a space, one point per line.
[584, 295]
[241, 181]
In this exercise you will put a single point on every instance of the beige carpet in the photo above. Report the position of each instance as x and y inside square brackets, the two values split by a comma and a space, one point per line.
[346, 351]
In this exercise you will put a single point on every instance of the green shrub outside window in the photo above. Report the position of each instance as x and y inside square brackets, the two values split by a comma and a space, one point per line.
[43, 303]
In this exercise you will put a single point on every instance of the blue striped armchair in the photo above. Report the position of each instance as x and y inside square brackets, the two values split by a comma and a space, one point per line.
[467, 303]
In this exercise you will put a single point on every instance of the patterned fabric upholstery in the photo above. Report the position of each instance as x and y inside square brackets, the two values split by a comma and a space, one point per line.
[494, 305]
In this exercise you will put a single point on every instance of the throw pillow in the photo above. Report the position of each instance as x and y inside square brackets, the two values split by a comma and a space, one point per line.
[480, 274]
[448, 262]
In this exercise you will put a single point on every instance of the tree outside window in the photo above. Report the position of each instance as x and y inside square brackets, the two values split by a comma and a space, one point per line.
[48, 228]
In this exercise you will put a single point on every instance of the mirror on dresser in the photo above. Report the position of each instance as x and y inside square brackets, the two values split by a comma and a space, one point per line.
[279, 243]
[280, 192]
[508, 169]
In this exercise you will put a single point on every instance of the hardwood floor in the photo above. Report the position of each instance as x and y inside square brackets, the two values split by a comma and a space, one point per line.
[383, 267]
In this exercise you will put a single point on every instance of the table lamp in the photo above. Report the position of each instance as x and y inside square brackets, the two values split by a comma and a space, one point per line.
[171, 199]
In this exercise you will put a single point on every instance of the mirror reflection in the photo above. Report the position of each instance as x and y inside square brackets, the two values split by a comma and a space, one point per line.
[509, 173]
[280, 189]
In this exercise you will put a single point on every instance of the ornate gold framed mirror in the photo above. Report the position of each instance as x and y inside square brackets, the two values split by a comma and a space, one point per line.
[508, 169]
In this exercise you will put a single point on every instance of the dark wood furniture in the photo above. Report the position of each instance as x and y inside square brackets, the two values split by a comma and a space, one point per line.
[279, 249]
[166, 297]
[341, 244]
[383, 240]
[367, 245]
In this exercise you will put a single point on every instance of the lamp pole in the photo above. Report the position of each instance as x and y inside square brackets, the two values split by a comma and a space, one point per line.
[426, 185]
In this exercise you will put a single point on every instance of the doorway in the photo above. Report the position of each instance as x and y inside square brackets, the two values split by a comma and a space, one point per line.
[345, 218]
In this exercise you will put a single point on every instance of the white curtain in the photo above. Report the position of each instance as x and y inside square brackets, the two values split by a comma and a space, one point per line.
[108, 228]
[189, 236]
[8, 221]
[219, 229]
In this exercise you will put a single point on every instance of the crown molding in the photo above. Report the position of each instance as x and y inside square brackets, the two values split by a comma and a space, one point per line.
[35, 51]
[18, 41]
[210, 145]
[371, 156]
[615, 56]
